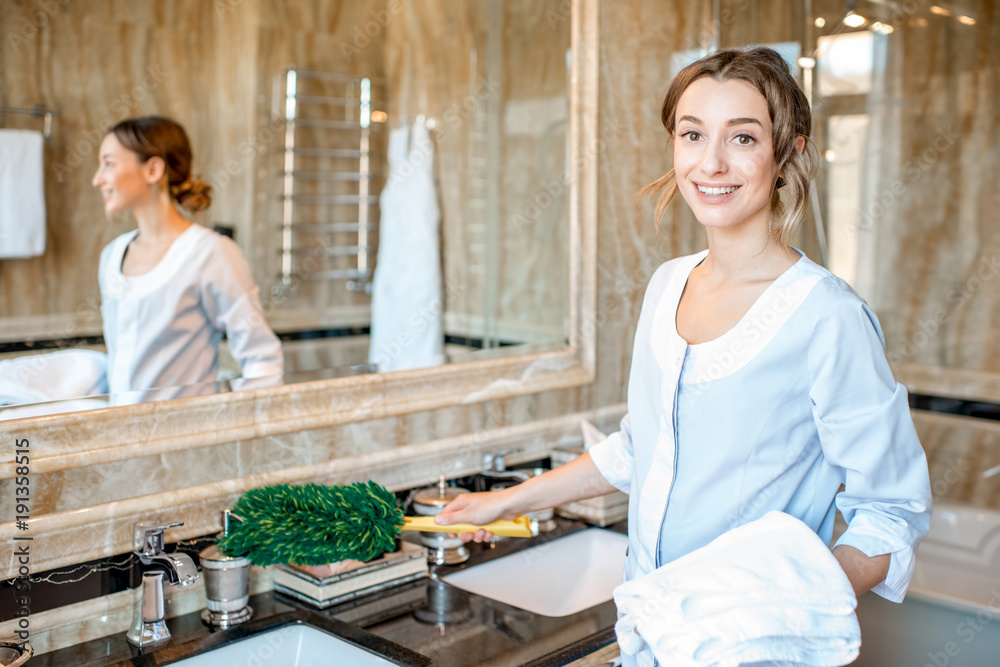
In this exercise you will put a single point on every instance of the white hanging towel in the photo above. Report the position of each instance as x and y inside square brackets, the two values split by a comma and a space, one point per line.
[766, 592]
[22, 194]
[407, 303]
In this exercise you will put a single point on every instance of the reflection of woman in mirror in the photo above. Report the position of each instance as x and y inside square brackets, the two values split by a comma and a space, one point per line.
[171, 288]
[759, 380]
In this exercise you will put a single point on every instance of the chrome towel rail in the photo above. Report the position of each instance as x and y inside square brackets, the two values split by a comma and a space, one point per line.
[37, 111]
[339, 109]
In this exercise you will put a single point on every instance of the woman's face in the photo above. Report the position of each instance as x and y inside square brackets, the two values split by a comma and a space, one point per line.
[723, 154]
[123, 180]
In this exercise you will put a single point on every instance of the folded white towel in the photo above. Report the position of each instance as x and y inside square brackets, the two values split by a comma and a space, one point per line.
[22, 194]
[53, 376]
[769, 591]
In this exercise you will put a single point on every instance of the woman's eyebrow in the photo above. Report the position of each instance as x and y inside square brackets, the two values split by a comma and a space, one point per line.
[744, 121]
[730, 122]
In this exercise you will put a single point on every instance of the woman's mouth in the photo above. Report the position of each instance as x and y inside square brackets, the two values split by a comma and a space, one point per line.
[715, 194]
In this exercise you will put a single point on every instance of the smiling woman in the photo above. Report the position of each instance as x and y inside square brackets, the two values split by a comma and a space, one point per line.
[758, 387]
[171, 289]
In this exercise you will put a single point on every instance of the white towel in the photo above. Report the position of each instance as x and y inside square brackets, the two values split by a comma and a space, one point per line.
[22, 194]
[53, 376]
[407, 299]
[769, 591]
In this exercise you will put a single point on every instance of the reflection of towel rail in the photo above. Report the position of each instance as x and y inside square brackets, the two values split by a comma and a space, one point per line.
[331, 226]
[333, 124]
[331, 199]
[326, 175]
[334, 76]
[37, 111]
[328, 152]
[338, 274]
[343, 103]
[326, 99]
[332, 251]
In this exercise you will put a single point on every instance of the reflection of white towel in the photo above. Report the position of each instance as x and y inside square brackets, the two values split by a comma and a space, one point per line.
[22, 194]
[53, 376]
[769, 591]
[407, 303]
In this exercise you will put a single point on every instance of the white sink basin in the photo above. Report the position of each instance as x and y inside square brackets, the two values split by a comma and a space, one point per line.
[557, 578]
[288, 646]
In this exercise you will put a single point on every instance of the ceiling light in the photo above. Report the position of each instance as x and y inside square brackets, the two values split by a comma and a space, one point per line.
[967, 20]
[940, 11]
[819, 22]
[919, 22]
[853, 20]
[882, 28]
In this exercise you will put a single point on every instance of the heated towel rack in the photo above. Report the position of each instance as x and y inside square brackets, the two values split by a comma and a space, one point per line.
[37, 111]
[331, 175]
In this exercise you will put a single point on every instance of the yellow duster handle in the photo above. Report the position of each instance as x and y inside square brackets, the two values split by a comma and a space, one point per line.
[522, 526]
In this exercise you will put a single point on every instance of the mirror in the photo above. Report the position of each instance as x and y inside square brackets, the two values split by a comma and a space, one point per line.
[290, 118]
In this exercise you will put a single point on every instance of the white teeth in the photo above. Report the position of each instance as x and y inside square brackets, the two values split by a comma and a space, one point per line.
[717, 191]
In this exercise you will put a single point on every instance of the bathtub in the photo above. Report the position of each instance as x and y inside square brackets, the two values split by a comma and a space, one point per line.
[951, 615]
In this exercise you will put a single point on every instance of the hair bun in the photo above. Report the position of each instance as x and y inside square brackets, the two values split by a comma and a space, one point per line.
[193, 194]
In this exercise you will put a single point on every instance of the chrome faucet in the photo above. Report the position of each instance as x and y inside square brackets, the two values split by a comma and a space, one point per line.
[149, 625]
[495, 467]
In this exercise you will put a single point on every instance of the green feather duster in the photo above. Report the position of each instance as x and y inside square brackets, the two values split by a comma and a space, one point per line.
[312, 524]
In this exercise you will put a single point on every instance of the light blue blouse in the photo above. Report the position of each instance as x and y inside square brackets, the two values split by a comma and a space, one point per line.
[776, 414]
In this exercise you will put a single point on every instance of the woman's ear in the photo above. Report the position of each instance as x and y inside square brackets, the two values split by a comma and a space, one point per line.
[153, 170]
[800, 144]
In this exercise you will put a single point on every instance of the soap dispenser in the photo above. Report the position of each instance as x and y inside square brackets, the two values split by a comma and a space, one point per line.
[227, 583]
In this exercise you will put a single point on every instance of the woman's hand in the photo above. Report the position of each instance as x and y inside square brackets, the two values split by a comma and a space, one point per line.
[477, 508]
[577, 480]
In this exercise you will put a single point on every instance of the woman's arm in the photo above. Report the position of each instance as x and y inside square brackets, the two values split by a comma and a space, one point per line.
[863, 572]
[231, 297]
[578, 480]
[865, 429]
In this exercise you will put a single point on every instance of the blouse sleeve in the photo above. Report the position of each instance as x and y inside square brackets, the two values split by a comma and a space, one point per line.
[232, 302]
[867, 433]
[613, 457]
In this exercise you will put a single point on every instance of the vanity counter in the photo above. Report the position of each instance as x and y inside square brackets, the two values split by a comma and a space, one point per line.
[449, 626]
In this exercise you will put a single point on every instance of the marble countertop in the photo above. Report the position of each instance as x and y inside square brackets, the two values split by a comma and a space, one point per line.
[424, 622]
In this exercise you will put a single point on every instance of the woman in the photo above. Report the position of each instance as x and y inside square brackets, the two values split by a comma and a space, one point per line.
[171, 288]
[759, 380]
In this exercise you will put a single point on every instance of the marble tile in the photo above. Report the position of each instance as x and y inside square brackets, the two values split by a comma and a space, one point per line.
[959, 451]
[98, 530]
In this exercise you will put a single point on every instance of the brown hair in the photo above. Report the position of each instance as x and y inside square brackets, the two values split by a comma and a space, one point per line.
[766, 71]
[155, 136]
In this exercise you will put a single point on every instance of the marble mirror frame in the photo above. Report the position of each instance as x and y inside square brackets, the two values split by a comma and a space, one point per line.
[92, 437]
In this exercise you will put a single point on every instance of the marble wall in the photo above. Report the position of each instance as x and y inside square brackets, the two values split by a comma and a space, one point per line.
[493, 76]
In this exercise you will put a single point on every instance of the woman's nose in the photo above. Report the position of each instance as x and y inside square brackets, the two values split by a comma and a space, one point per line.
[96, 181]
[713, 161]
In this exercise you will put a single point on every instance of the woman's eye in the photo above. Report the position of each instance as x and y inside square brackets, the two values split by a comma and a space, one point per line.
[691, 135]
[745, 140]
